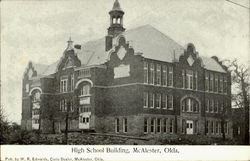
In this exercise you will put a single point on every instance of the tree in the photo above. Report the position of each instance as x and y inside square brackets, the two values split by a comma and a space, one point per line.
[4, 127]
[241, 82]
[67, 122]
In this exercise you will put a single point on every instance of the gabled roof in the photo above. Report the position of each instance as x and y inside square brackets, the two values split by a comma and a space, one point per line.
[211, 64]
[153, 44]
[39, 68]
[147, 40]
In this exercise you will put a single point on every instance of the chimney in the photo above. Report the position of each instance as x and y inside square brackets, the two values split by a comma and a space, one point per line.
[108, 42]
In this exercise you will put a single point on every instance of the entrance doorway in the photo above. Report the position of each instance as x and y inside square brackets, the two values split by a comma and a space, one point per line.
[190, 126]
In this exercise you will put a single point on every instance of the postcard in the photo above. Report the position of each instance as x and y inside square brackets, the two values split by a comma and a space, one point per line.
[105, 80]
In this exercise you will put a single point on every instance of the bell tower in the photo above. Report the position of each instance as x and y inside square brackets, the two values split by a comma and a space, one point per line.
[116, 24]
[116, 20]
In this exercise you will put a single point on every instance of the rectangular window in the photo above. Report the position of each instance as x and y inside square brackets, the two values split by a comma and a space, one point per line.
[195, 81]
[71, 106]
[170, 76]
[211, 84]
[221, 85]
[216, 83]
[189, 79]
[183, 78]
[27, 88]
[63, 85]
[145, 99]
[163, 102]
[151, 100]
[221, 107]
[216, 127]
[83, 120]
[158, 100]
[145, 72]
[219, 127]
[183, 105]
[226, 127]
[207, 105]
[211, 107]
[125, 125]
[158, 125]
[170, 102]
[158, 74]
[207, 127]
[152, 125]
[206, 81]
[152, 73]
[216, 106]
[190, 105]
[72, 85]
[171, 129]
[117, 127]
[84, 73]
[164, 75]
[225, 85]
[212, 127]
[145, 125]
[165, 122]
[36, 121]
[63, 105]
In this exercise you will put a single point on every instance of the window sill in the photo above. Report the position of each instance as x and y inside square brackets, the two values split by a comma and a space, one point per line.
[190, 112]
[84, 95]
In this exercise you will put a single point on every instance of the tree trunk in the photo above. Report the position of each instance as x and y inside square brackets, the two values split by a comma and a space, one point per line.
[246, 112]
[66, 123]
[222, 129]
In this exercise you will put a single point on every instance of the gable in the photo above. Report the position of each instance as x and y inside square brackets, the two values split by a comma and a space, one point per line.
[68, 60]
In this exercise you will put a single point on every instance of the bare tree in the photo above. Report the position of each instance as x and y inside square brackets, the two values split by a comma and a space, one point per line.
[4, 127]
[241, 82]
[67, 122]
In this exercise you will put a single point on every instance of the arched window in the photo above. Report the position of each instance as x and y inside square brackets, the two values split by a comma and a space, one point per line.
[36, 94]
[114, 20]
[190, 105]
[85, 90]
[118, 20]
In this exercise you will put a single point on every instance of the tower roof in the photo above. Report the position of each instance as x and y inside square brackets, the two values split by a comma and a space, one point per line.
[116, 6]
[70, 44]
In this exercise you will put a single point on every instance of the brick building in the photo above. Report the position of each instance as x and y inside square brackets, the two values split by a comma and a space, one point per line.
[134, 82]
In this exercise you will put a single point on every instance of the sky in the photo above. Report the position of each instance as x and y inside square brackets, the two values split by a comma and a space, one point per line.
[35, 30]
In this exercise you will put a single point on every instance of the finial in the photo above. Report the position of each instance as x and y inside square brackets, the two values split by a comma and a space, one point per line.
[70, 42]
[116, 5]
